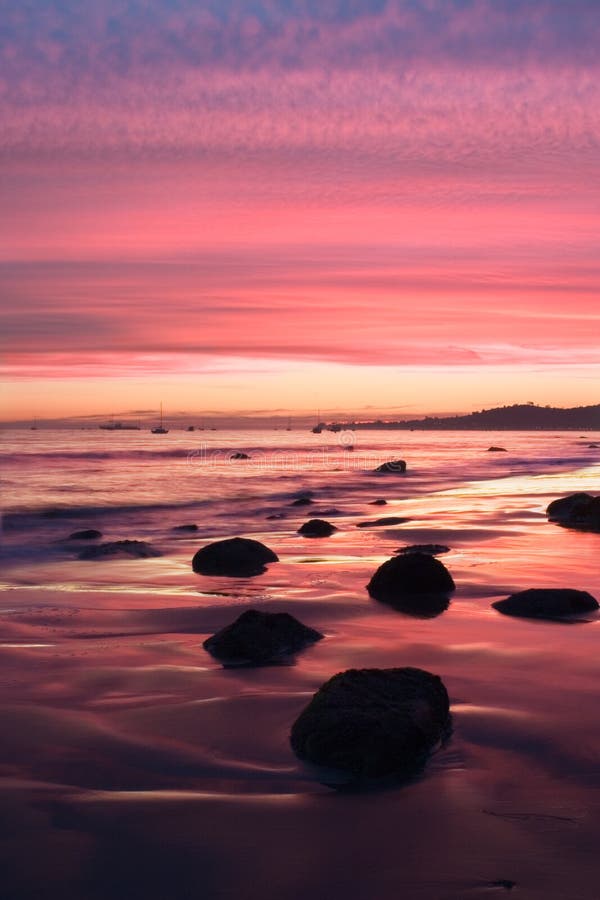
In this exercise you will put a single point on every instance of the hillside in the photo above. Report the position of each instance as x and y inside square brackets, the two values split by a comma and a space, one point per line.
[519, 417]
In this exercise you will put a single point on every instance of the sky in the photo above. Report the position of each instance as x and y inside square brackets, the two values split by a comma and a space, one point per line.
[345, 205]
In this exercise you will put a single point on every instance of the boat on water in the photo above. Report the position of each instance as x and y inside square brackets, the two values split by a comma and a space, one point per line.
[160, 429]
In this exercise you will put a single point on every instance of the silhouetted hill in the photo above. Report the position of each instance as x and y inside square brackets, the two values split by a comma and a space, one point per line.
[519, 417]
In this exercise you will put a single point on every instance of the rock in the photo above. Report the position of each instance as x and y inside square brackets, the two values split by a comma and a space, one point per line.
[190, 527]
[593, 446]
[235, 557]
[239, 455]
[497, 450]
[135, 549]
[88, 534]
[576, 511]
[301, 501]
[415, 583]
[317, 528]
[371, 723]
[432, 549]
[276, 516]
[394, 467]
[547, 603]
[379, 502]
[260, 638]
[380, 523]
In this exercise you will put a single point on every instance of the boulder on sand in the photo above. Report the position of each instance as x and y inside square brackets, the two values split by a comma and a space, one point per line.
[576, 511]
[236, 557]
[134, 549]
[87, 534]
[260, 638]
[317, 528]
[371, 723]
[411, 573]
[547, 603]
[393, 467]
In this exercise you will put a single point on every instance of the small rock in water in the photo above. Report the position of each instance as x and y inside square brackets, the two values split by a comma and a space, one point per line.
[88, 534]
[378, 502]
[190, 527]
[497, 450]
[393, 467]
[547, 603]
[372, 723]
[301, 501]
[317, 528]
[593, 446]
[235, 557]
[276, 516]
[135, 549]
[239, 455]
[260, 638]
[380, 523]
[432, 549]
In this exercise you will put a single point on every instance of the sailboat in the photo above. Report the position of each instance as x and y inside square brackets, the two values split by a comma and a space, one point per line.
[160, 429]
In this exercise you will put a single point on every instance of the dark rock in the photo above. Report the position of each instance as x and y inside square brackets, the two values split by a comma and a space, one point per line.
[236, 557]
[415, 583]
[380, 523]
[260, 638]
[432, 549]
[576, 511]
[239, 455]
[135, 549]
[371, 723]
[547, 603]
[190, 527]
[497, 450]
[301, 501]
[379, 502]
[88, 534]
[593, 446]
[276, 516]
[394, 467]
[317, 528]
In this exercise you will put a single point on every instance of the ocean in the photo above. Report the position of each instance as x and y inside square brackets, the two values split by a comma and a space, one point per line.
[133, 765]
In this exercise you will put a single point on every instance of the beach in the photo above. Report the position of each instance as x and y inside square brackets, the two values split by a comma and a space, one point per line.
[132, 764]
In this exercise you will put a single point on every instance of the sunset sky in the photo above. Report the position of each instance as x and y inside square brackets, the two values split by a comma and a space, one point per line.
[244, 205]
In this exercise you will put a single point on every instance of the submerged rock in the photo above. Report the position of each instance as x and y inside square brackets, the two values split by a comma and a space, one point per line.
[190, 527]
[260, 638]
[496, 450]
[432, 549]
[547, 603]
[317, 528]
[301, 501]
[378, 502]
[236, 557]
[135, 549]
[380, 523]
[371, 723]
[415, 583]
[88, 534]
[394, 467]
[239, 455]
[576, 511]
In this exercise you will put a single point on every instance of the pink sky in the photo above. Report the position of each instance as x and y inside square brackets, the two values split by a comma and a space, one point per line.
[336, 204]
